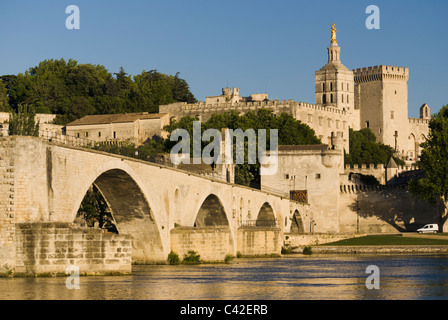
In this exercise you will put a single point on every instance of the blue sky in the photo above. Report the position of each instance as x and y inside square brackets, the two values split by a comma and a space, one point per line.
[259, 46]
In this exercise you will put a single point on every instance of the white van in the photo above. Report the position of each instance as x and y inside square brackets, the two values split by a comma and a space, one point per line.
[429, 228]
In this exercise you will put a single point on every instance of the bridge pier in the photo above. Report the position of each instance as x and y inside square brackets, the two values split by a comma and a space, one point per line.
[51, 247]
[259, 241]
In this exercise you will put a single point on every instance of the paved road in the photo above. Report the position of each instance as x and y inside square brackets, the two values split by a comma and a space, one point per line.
[427, 235]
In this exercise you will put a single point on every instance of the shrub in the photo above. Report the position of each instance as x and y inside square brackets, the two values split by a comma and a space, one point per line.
[307, 250]
[192, 258]
[286, 249]
[173, 258]
[228, 258]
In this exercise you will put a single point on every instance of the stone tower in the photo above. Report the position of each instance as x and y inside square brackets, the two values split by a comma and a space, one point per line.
[334, 82]
[381, 95]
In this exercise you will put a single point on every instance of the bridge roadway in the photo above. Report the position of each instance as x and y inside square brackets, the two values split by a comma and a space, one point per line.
[148, 201]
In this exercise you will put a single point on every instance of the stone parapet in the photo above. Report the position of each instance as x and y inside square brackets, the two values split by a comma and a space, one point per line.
[381, 73]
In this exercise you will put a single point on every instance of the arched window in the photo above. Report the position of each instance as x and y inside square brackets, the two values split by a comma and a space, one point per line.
[331, 98]
[324, 99]
[331, 86]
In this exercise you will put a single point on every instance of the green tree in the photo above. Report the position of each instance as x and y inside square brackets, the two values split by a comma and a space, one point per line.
[94, 209]
[4, 100]
[433, 186]
[365, 150]
[23, 122]
[290, 132]
[71, 90]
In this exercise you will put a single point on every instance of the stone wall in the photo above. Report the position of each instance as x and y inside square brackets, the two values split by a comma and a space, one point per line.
[211, 243]
[50, 247]
[381, 210]
[301, 240]
[258, 241]
[7, 213]
[316, 170]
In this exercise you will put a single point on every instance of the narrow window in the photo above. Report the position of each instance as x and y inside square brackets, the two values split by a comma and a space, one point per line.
[310, 118]
[87, 134]
[324, 99]
[367, 124]
[331, 98]
[331, 86]
[323, 87]
[115, 135]
[99, 134]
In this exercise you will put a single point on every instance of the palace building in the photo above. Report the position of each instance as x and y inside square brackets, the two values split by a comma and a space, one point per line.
[370, 97]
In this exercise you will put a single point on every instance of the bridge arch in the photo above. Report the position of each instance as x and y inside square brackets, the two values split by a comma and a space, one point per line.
[266, 216]
[297, 223]
[131, 209]
[211, 213]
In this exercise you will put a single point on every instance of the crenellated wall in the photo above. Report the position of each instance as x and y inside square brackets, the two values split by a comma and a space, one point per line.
[327, 122]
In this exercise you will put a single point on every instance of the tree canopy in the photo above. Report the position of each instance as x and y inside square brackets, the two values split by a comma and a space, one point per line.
[73, 90]
[433, 186]
[365, 150]
[4, 100]
[290, 132]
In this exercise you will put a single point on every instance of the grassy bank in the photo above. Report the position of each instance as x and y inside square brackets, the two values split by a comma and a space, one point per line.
[388, 240]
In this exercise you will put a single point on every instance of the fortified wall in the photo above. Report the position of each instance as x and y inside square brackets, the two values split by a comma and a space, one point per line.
[378, 171]
[381, 209]
[327, 122]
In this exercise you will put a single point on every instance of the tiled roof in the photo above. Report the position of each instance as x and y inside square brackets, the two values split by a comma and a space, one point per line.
[115, 118]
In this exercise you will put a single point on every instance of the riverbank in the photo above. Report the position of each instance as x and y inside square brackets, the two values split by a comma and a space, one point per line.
[391, 249]
[408, 243]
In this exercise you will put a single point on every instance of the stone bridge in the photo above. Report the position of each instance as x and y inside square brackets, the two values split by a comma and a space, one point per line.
[159, 209]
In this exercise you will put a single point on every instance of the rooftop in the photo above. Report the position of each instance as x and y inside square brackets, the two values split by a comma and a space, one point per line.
[115, 118]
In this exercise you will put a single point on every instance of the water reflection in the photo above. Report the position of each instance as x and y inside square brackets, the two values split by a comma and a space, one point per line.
[289, 278]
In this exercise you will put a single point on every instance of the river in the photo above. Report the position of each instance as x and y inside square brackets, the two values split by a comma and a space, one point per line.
[293, 277]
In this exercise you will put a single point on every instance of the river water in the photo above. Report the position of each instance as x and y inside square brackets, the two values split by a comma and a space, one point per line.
[294, 277]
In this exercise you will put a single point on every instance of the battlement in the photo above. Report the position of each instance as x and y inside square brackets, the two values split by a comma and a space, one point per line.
[321, 108]
[419, 121]
[180, 108]
[381, 73]
[358, 188]
[372, 167]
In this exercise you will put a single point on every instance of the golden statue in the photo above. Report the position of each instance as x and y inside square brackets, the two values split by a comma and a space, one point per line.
[333, 34]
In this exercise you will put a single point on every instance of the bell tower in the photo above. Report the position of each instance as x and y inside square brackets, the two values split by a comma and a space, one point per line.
[334, 82]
